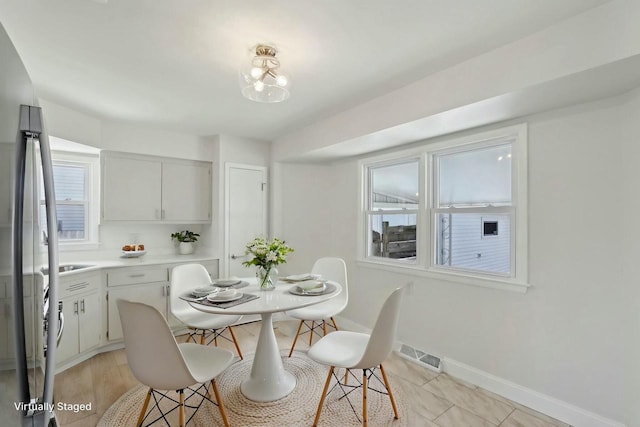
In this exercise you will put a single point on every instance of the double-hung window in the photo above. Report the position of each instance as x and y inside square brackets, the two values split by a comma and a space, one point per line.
[453, 209]
[75, 180]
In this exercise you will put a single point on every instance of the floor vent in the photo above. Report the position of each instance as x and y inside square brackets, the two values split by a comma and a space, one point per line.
[428, 360]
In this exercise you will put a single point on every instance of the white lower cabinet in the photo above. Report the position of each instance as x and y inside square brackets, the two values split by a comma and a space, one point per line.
[153, 294]
[139, 284]
[31, 306]
[82, 310]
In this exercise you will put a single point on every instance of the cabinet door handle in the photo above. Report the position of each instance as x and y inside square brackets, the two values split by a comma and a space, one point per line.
[82, 305]
[164, 291]
[137, 275]
[75, 307]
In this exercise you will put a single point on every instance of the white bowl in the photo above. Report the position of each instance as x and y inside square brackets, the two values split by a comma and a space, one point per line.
[226, 293]
[310, 284]
[203, 291]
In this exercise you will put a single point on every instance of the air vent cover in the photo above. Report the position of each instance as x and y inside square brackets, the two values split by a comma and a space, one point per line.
[428, 360]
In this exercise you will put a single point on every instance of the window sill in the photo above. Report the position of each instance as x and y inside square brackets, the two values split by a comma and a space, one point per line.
[500, 284]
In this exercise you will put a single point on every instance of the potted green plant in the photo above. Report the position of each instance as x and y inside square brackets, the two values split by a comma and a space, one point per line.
[186, 240]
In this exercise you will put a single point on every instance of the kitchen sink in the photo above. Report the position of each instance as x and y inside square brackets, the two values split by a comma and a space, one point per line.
[67, 268]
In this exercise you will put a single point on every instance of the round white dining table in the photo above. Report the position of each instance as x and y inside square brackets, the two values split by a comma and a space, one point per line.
[268, 380]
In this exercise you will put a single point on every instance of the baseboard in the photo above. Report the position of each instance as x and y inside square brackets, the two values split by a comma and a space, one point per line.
[540, 402]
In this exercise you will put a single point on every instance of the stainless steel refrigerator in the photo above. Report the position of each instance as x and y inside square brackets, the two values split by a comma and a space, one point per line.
[30, 319]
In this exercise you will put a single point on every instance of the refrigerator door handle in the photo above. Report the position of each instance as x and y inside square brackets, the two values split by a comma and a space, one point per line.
[52, 249]
[60, 327]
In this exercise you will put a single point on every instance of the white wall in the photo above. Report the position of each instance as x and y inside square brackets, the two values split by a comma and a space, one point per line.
[229, 149]
[109, 135]
[574, 335]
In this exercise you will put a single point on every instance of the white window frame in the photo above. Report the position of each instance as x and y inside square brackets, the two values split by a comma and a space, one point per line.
[369, 211]
[425, 243]
[91, 164]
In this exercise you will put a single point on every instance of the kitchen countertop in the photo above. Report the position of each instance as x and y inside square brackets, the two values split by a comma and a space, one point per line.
[107, 261]
[144, 260]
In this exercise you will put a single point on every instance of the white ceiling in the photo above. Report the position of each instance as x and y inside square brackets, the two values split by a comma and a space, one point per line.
[173, 64]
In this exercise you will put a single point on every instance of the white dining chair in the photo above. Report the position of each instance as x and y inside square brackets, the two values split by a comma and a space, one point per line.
[185, 278]
[159, 362]
[354, 350]
[317, 315]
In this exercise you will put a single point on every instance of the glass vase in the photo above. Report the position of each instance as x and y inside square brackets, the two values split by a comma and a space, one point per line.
[267, 278]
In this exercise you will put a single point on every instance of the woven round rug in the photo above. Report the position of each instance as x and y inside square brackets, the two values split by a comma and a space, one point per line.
[296, 409]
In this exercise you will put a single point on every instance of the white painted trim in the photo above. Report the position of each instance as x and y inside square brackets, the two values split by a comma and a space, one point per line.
[455, 277]
[540, 402]
[265, 194]
[424, 265]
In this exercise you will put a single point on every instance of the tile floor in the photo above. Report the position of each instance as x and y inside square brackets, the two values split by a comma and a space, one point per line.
[433, 400]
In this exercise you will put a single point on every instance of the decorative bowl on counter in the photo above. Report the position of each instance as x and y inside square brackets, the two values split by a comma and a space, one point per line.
[133, 251]
[133, 254]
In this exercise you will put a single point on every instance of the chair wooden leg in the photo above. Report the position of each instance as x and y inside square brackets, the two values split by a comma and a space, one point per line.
[181, 392]
[335, 325]
[324, 395]
[215, 338]
[324, 327]
[296, 338]
[313, 325]
[365, 386]
[346, 376]
[235, 341]
[388, 386]
[223, 412]
[202, 340]
[144, 407]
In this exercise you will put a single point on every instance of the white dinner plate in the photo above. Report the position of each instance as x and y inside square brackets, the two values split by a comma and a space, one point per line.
[227, 283]
[328, 288]
[216, 298]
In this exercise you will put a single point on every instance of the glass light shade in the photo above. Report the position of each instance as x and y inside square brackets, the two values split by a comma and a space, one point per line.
[268, 90]
[262, 81]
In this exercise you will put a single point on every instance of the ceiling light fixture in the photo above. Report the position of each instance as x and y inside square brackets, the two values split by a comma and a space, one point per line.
[262, 81]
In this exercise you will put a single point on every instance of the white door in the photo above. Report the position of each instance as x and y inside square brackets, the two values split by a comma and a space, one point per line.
[245, 213]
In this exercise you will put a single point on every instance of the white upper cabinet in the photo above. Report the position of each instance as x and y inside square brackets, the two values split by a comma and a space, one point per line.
[131, 189]
[186, 192]
[155, 189]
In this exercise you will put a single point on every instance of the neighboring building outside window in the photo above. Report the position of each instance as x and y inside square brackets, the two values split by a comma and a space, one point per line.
[452, 208]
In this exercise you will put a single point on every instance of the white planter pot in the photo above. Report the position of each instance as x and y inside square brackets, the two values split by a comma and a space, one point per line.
[185, 248]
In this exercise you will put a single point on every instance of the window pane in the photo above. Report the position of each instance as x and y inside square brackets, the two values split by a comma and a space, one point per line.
[71, 221]
[69, 182]
[393, 236]
[476, 177]
[394, 186]
[474, 241]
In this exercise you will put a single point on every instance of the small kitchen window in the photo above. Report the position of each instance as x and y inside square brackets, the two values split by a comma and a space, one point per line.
[77, 196]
